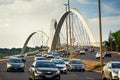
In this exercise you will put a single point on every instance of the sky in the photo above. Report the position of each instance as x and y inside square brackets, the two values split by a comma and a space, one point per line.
[19, 18]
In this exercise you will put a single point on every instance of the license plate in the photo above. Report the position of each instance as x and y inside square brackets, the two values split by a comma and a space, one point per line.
[48, 76]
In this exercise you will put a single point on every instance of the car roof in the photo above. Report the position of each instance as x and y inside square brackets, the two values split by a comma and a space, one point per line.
[114, 62]
[75, 60]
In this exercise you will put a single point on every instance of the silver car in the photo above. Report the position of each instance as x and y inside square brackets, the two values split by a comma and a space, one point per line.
[61, 65]
[110, 70]
[76, 64]
[43, 69]
[16, 64]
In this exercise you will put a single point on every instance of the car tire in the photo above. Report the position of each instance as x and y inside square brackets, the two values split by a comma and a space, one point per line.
[103, 76]
[8, 70]
[33, 77]
[83, 70]
[30, 79]
[110, 76]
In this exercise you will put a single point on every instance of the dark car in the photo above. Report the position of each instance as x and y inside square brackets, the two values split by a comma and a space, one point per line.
[76, 65]
[22, 57]
[107, 54]
[43, 69]
[15, 64]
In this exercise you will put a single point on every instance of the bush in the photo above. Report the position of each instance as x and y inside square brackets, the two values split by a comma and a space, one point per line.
[97, 66]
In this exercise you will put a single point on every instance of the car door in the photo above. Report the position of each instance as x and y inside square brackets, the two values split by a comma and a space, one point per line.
[108, 70]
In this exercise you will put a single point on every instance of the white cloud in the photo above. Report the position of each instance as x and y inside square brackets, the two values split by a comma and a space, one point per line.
[111, 9]
[22, 17]
[108, 23]
[87, 1]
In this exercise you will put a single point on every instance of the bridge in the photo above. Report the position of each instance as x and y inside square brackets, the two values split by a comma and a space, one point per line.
[82, 35]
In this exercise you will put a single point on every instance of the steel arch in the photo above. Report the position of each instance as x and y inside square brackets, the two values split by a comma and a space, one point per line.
[26, 42]
[81, 17]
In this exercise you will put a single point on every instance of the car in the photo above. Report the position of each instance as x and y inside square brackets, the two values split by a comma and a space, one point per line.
[38, 55]
[107, 54]
[82, 52]
[22, 57]
[61, 65]
[110, 70]
[49, 55]
[57, 55]
[16, 64]
[119, 75]
[91, 49]
[76, 65]
[65, 60]
[44, 69]
[97, 55]
[40, 58]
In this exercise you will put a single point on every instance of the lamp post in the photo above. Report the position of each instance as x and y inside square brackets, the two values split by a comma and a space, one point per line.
[100, 31]
[66, 5]
[71, 54]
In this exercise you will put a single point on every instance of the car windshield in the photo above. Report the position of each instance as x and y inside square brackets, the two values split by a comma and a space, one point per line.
[75, 62]
[65, 59]
[116, 65]
[40, 58]
[58, 61]
[45, 65]
[49, 53]
[15, 61]
[38, 55]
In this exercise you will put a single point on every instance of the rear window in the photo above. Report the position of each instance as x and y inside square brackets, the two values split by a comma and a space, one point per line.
[15, 61]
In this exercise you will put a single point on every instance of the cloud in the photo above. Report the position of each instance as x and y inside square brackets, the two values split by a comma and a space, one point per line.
[87, 1]
[6, 2]
[112, 8]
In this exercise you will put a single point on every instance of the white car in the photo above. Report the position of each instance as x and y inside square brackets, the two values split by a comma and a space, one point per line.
[61, 65]
[49, 55]
[98, 55]
[110, 70]
[119, 75]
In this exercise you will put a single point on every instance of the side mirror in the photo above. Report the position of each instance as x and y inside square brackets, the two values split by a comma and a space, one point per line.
[109, 67]
[32, 65]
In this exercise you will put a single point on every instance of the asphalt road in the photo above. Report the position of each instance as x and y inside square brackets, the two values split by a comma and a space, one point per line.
[24, 75]
[91, 56]
[70, 76]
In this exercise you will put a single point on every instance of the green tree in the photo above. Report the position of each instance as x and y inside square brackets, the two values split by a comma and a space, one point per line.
[116, 39]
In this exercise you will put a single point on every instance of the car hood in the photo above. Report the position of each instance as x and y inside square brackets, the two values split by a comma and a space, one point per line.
[77, 64]
[60, 65]
[47, 69]
[116, 70]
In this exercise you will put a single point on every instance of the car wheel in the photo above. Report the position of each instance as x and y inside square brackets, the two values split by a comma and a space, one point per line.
[83, 70]
[111, 76]
[56, 78]
[8, 70]
[103, 76]
[65, 72]
[30, 79]
[33, 77]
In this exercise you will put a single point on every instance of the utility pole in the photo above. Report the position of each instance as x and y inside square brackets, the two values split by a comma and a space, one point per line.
[100, 30]
[66, 5]
[71, 55]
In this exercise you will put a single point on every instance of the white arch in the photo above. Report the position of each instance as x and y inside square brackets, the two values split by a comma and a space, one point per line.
[86, 25]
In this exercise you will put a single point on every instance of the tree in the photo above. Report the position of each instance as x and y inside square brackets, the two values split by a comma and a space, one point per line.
[116, 39]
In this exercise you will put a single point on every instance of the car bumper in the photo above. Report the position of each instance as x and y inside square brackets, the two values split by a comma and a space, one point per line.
[57, 77]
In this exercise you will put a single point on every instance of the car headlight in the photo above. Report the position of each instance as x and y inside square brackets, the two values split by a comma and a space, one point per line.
[83, 66]
[64, 68]
[57, 72]
[38, 72]
[9, 65]
[116, 72]
[22, 65]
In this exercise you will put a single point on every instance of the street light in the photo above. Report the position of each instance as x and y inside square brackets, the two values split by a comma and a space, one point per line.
[100, 30]
[66, 5]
